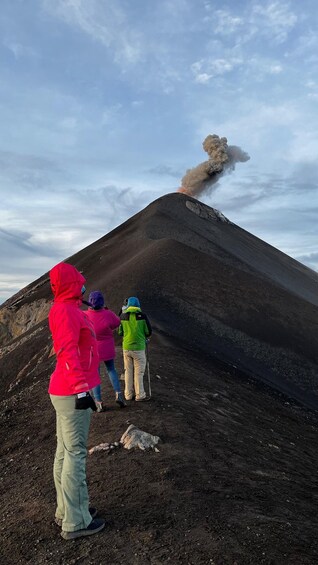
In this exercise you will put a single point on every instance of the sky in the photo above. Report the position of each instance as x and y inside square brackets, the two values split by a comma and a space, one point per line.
[104, 105]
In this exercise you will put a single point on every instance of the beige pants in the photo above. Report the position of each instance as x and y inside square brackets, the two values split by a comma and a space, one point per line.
[135, 364]
[72, 427]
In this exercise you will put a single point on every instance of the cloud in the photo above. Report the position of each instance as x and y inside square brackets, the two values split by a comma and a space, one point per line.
[104, 23]
[23, 259]
[281, 209]
[310, 259]
[272, 132]
[303, 148]
[274, 20]
[19, 50]
[233, 63]
[165, 170]
[144, 53]
[38, 233]
[312, 87]
[26, 171]
[121, 95]
[226, 23]
[207, 69]
[137, 103]
[21, 243]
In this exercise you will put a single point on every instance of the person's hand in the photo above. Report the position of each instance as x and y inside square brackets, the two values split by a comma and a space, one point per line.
[84, 400]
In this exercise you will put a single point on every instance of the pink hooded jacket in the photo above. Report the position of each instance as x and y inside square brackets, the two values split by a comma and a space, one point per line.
[105, 322]
[73, 335]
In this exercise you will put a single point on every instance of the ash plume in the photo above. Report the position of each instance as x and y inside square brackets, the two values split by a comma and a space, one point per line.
[222, 159]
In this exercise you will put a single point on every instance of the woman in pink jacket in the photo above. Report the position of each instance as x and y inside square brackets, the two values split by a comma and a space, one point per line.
[105, 322]
[76, 372]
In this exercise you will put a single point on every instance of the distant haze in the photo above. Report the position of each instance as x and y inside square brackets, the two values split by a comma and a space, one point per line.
[222, 159]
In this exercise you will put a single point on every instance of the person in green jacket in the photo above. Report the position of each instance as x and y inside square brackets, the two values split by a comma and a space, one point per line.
[135, 329]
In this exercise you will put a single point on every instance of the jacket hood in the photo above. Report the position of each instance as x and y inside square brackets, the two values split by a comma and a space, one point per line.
[133, 301]
[96, 300]
[66, 282]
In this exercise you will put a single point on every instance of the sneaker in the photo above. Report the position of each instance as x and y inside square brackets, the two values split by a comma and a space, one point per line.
[143, 399]
[120, 400]
[94, 527]
[92, 511]
[99, 406]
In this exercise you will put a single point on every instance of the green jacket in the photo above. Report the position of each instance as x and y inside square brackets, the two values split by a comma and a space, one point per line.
[135, 328]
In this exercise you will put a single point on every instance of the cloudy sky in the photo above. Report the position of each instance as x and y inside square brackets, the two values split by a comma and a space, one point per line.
[104, 105]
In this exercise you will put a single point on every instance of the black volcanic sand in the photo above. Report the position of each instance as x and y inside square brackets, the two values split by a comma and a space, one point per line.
[234, 482]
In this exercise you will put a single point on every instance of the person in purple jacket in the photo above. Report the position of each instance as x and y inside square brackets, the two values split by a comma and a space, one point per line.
[105, 322]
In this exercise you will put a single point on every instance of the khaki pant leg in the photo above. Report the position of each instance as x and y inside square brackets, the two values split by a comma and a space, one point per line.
[70, 463]
[139, 370]
[57, 470]
[129, 375]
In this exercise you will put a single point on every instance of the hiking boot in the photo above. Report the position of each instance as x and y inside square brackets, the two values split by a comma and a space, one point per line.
[94, 527]
[120, 400]
[99, 406]
[92, 511]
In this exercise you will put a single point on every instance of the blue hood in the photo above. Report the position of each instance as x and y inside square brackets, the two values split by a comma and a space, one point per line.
[133, 301]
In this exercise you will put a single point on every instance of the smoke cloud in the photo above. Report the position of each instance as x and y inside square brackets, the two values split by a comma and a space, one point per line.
[222, 159]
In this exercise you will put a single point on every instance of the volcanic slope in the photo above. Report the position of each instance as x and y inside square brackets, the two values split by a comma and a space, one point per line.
[209, 283]
[234, 480]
